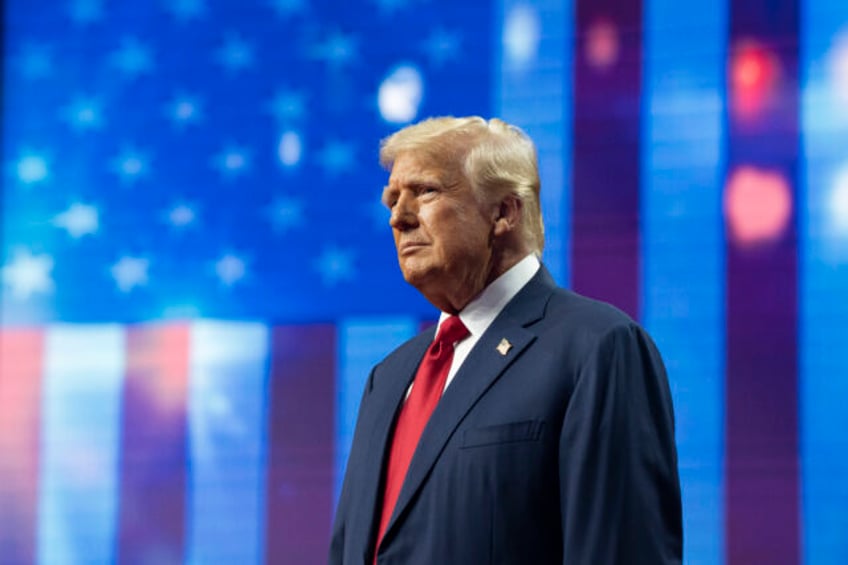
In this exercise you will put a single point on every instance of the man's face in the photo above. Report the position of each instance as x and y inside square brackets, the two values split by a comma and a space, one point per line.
[442, 233]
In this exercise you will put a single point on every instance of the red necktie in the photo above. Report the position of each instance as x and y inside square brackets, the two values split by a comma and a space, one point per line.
[426, 391]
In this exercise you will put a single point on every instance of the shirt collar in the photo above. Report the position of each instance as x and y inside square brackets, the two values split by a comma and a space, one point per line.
[482, 311]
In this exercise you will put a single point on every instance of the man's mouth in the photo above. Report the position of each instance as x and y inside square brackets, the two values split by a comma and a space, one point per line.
[410, 246]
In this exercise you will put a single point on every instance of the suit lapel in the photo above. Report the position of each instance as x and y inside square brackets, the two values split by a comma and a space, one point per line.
[480, 369]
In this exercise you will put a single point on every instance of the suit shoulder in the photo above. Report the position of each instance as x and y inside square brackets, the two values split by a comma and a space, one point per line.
[587, 323]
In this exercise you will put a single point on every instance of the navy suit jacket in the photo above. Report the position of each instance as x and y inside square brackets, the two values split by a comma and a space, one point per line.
[560, 451]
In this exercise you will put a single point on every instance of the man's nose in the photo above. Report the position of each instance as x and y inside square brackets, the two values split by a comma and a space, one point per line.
[404, 215]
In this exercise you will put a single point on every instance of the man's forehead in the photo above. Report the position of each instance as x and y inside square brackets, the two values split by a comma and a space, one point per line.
[413, 167]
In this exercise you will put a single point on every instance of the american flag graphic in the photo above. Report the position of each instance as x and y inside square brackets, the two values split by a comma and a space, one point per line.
[197, 272]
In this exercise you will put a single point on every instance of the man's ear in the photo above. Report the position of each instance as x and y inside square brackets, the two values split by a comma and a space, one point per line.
[508, 215]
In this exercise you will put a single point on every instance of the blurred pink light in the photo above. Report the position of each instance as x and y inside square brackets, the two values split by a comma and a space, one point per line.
[602, 44]
[754, 74]
[757, 205]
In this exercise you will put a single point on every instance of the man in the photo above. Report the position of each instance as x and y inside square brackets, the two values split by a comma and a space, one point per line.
[537, 426]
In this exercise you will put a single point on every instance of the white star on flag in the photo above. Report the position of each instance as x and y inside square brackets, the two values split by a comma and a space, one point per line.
[183, 10]
[441, 46]
[184, 109]
[130, 272]
[338, 49]
[86, 11]
[236, 54]
[32, 168]
[286, 8]
[181, 215]
[36, 61]
[286, 213]
[288, 106]
[83, 113]
[232, 161]
[389, 7]
[230, 269]
[130, 165]
[27, 274]
[335, 265]
[78, 220]
[133, 58]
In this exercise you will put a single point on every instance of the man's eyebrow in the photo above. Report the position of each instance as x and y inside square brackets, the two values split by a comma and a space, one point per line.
[419, 183]
[415, 184]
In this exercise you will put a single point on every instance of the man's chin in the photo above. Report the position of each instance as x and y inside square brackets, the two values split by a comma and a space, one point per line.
[413, 278]
[417, 277]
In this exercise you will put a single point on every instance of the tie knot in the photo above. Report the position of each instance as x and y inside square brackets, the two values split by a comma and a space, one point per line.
[452, 330]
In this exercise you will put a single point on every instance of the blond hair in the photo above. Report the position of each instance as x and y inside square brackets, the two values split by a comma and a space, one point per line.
[498, 159]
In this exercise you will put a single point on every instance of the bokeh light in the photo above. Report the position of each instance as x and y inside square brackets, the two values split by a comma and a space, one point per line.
[290, 148]
[838, 69]
[754, 77]
[838, 204]
[400, 94]
[522, 32]
[602, 44]
[757, 205]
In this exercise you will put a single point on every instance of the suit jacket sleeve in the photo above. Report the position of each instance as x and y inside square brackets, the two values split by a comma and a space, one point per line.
[337, 533]
[620, 498]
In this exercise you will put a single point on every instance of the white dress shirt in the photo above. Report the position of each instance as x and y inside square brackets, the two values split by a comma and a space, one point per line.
[479, 314]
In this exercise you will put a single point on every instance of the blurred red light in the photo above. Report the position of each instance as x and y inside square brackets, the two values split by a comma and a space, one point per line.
[757, 205]
[754, 73]
[602, 44]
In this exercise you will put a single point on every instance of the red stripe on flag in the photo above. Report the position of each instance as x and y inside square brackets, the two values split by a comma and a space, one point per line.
[152, 516]
[21, 360]
[301, 443]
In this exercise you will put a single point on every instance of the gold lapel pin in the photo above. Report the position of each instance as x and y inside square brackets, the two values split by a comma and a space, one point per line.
[504, 346]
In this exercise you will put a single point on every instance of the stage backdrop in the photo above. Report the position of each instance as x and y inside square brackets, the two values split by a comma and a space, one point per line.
[197, 274]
